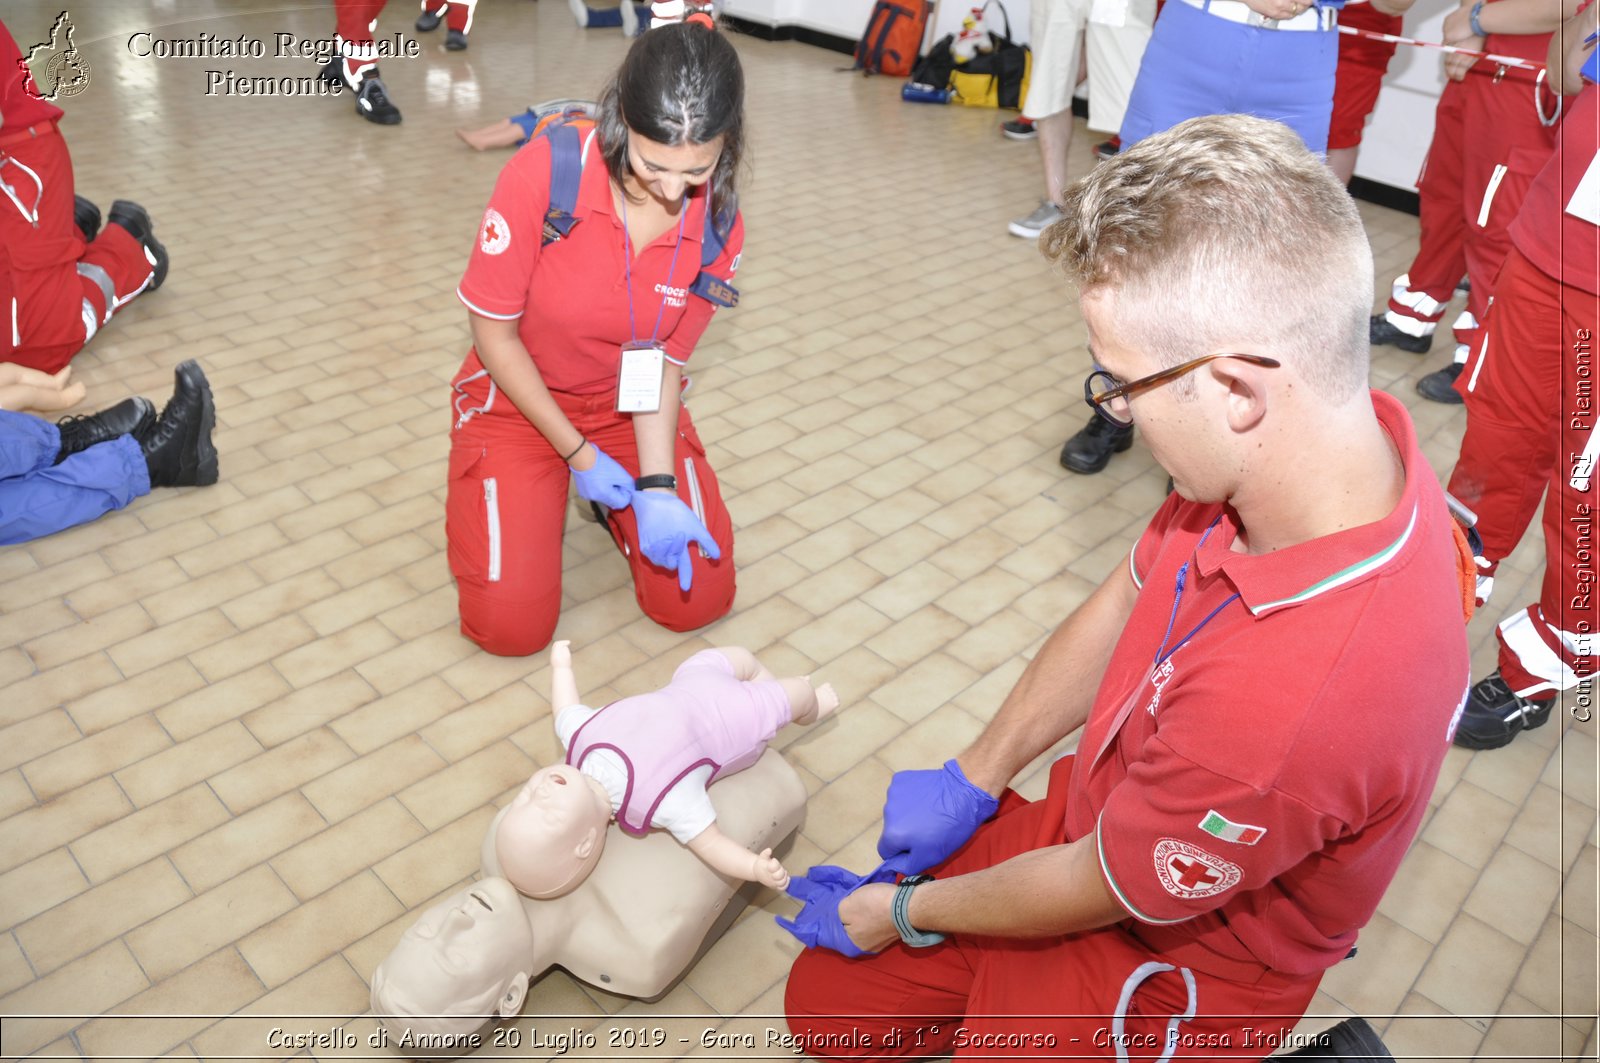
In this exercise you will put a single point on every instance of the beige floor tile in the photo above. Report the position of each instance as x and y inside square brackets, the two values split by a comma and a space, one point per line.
[1428, 890]
[98, 915]
[1421, 1029]
[1469, 824]
[1471, 970]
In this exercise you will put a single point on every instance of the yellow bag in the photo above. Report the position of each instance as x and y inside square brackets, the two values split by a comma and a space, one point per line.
[998, 77]
[994, 80]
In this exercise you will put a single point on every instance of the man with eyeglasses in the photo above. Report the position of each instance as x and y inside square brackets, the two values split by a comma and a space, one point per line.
[1266, 686]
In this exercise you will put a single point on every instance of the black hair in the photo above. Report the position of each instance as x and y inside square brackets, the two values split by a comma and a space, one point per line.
[680, 84]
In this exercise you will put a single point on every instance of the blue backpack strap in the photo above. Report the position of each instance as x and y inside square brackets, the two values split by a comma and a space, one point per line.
[707, 286]
[566, 172]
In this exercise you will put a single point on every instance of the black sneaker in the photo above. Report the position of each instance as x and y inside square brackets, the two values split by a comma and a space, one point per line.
[87, 216]
[1381, 332]
[455, 41]
[135, 417]
[372, 100]
[1019, 128]
[1494, 714]
[179, 452]
[429, 21]
[1465, 287]
[1090, 450]
[1439, 386]
[135, 219]
[1108, 148]
[332, 72]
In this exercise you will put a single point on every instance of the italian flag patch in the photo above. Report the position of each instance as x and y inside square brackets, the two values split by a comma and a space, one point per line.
[1220, 826]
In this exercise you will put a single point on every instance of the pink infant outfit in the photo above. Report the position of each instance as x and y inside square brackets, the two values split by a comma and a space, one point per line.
[705, 716]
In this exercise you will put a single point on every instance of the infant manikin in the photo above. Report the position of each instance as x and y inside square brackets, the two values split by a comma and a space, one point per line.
[647, 760]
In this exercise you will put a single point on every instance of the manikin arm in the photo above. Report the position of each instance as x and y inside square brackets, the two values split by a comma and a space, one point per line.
[726, 856]
[563, 684]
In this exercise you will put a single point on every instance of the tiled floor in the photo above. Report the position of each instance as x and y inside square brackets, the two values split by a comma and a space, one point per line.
[241, 742]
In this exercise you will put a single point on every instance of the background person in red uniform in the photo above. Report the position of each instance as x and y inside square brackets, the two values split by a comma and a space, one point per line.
[1530, 419]
[457, 17]
[1362, 64]
[65, 281]
[1267, 686]
[537, 401]
[1504, 134]
[356, 65]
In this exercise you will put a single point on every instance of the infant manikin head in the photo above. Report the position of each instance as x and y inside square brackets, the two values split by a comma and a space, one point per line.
[467, 960]
[551, 836]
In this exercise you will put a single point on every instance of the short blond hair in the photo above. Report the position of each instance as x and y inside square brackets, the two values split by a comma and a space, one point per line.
[1222, 230]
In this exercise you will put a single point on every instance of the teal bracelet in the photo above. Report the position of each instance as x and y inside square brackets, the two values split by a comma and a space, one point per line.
[1472, 19]
[899, 911]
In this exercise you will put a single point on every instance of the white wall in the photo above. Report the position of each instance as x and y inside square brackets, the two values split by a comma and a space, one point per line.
[1392, 148]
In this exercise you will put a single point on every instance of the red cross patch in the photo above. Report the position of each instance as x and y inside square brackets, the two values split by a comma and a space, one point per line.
[495, 236]
[1190, 872]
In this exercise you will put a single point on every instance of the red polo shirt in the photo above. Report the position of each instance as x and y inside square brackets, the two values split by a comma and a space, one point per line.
[571, 296]
[1262, 791]
[1562, 244]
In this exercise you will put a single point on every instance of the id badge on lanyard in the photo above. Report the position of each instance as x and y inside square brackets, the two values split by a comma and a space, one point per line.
[639, 379]
[644, 362]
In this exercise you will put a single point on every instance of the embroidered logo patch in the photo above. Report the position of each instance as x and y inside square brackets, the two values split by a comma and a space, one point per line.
[1190, 872]
[496, 234]
[1219, 826]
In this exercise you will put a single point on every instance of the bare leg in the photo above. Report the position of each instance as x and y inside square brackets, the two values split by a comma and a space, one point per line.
[502, 134]
[1055, 140]
[46, 399]
[745, 665]
[808, 704]
[12, 373]
[1342, 161]
[563, 683]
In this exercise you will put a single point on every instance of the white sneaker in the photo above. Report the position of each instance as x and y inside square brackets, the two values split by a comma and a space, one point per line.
[580, 11]
[1030, 227]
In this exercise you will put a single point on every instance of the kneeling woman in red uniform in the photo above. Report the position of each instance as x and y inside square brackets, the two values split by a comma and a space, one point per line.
[579, 346]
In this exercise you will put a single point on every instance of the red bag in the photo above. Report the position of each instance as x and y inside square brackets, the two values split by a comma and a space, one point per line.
[893, 38]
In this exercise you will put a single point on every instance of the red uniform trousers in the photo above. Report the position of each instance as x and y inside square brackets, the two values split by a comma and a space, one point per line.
[1421, 293]
[1359, 76]
[58, 306]
[506, 511]
[457, 13]
[1068, 997]
[1530, 415]
[1484, 179]
[354, 23]
[1508, 148]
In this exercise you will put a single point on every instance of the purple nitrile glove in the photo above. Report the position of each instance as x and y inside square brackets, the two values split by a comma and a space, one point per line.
[928, 815]
[666, 528]
[820, 890]
[604, 482]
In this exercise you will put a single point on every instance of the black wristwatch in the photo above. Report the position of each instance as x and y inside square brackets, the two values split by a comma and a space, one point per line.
[899, 908]
[659, 479]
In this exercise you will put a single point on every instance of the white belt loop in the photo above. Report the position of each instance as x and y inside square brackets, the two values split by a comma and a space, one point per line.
[1135, 980]
[32, 218]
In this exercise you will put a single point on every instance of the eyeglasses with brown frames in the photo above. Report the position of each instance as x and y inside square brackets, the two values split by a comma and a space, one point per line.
[1109, 398]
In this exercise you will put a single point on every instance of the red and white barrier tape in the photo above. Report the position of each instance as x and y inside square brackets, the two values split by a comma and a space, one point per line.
[1390, 38]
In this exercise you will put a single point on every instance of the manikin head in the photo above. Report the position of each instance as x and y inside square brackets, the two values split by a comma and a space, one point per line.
[465, 962]
[551, 835]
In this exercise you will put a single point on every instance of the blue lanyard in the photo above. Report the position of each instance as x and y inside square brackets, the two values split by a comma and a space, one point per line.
[1177, 597]
[627, 266]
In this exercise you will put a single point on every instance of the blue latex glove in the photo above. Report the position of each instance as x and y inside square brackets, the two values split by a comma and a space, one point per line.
[928, 815]
[604, 482]
[666, 528]
[820, 890]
